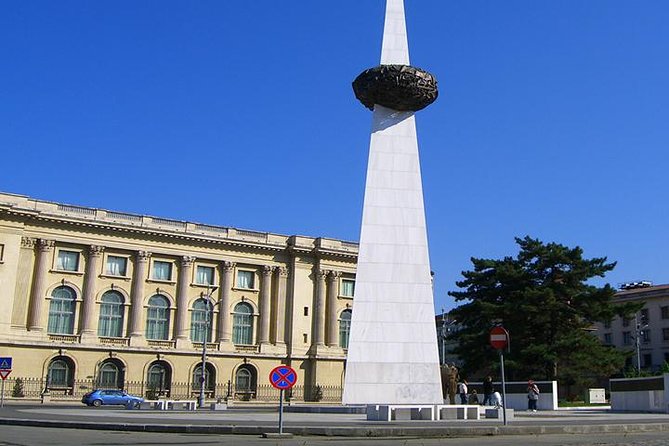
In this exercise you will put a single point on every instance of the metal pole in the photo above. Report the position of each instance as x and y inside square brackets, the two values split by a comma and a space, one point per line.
[443, 340]
[204, 354]
[2, 394]
[501, 359]
[638, 350]
[280, 412]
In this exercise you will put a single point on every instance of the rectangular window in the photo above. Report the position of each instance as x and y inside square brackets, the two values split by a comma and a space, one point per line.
[627, 337]
[647, 361]
[67, 261]
[626, 322]
[665, 312]
[116, 266]
[245, 279]
[607, 324]
[666, 357]
[607, 338]
[2, 252]
[665, 334]
[347, 287]
[162, 270]
[306, 311]
[204, 275]
[645, 336]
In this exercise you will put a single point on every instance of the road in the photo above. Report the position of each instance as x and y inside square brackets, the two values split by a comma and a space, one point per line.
[32, 436]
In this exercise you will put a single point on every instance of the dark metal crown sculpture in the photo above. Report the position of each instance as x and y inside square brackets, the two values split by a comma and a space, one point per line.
[398, 87]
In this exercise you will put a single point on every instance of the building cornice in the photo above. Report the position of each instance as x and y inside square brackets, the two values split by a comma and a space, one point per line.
[30, 209]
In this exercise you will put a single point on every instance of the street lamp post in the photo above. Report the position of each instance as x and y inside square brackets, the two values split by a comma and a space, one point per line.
[639, 328]
[207, 322]
[444, 334]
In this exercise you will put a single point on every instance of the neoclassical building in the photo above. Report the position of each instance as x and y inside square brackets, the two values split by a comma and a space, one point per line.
[110, 299]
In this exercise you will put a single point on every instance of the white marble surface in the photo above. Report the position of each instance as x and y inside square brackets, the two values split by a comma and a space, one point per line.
[392, 355]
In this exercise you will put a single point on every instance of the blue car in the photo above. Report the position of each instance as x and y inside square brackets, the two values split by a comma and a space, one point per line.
[111, 397]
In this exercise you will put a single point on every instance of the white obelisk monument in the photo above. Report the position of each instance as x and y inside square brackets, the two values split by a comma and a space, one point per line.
[392, 352]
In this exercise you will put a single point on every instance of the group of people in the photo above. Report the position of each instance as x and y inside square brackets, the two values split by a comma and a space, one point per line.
[491, 397]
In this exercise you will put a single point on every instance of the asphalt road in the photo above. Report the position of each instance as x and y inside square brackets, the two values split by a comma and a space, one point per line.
[31, 436]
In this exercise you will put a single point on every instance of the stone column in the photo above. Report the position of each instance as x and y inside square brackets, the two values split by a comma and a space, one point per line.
[319, 309]
[265, 304]
[181, 326]
[137, 295]
[44, 248]
[280, 318]
[333, 279]
[88, 306]
[224, 327]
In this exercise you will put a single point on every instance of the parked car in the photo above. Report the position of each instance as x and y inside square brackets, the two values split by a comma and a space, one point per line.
[111, 397]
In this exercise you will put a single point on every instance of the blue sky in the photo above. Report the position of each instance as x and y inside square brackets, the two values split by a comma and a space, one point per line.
[552, 119]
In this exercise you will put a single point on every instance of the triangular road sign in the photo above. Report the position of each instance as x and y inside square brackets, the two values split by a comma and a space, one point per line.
[4, 374]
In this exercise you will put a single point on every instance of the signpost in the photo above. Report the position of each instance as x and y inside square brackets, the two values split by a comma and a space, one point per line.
[282, 377]
[499, 340]
[5, 370]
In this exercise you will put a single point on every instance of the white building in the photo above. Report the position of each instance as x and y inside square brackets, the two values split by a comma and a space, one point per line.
[647, 333]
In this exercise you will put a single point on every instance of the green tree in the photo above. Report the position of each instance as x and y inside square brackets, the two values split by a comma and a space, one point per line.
[544, 299]
[17, 390]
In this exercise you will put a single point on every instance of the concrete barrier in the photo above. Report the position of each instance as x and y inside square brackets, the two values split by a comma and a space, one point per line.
[648, 394]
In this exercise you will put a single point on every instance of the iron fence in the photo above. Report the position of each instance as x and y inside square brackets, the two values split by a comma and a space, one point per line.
[18, 387]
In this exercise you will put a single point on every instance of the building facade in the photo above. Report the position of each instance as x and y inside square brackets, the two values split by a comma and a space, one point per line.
[120, 300]
[646, 334]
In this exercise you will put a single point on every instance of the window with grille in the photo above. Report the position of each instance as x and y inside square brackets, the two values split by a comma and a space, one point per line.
[344, 328]
[242, 324]
[201, 321]
[61, 311]
[110, 323]
[158, 318]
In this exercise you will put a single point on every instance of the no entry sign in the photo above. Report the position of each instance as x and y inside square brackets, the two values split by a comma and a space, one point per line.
[499, 338]
[283, 377]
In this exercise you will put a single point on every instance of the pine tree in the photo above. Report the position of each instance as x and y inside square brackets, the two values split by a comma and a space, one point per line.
[543, 297]
[17, 390]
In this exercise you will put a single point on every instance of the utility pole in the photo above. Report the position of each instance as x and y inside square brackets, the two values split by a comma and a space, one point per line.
[207, 330]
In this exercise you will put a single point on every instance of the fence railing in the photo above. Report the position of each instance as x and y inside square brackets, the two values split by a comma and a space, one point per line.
[18, 387]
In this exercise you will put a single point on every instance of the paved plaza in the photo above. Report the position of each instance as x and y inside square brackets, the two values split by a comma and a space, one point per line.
[254, 421]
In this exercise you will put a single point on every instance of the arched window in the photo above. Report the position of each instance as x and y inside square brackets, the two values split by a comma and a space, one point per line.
[61, 311]
[60, 373]
[110, 375]
[158, 378]
[242, 324]
[245, 381]
[201, 321]
[209, 379]
[111, 315]
[344, 328]
[158, 318]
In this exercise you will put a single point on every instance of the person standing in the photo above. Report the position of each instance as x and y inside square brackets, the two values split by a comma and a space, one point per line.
[532, 396]
[462, 391]
[487, 391]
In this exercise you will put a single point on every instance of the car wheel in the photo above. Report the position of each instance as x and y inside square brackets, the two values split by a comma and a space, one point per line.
[97, 403]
